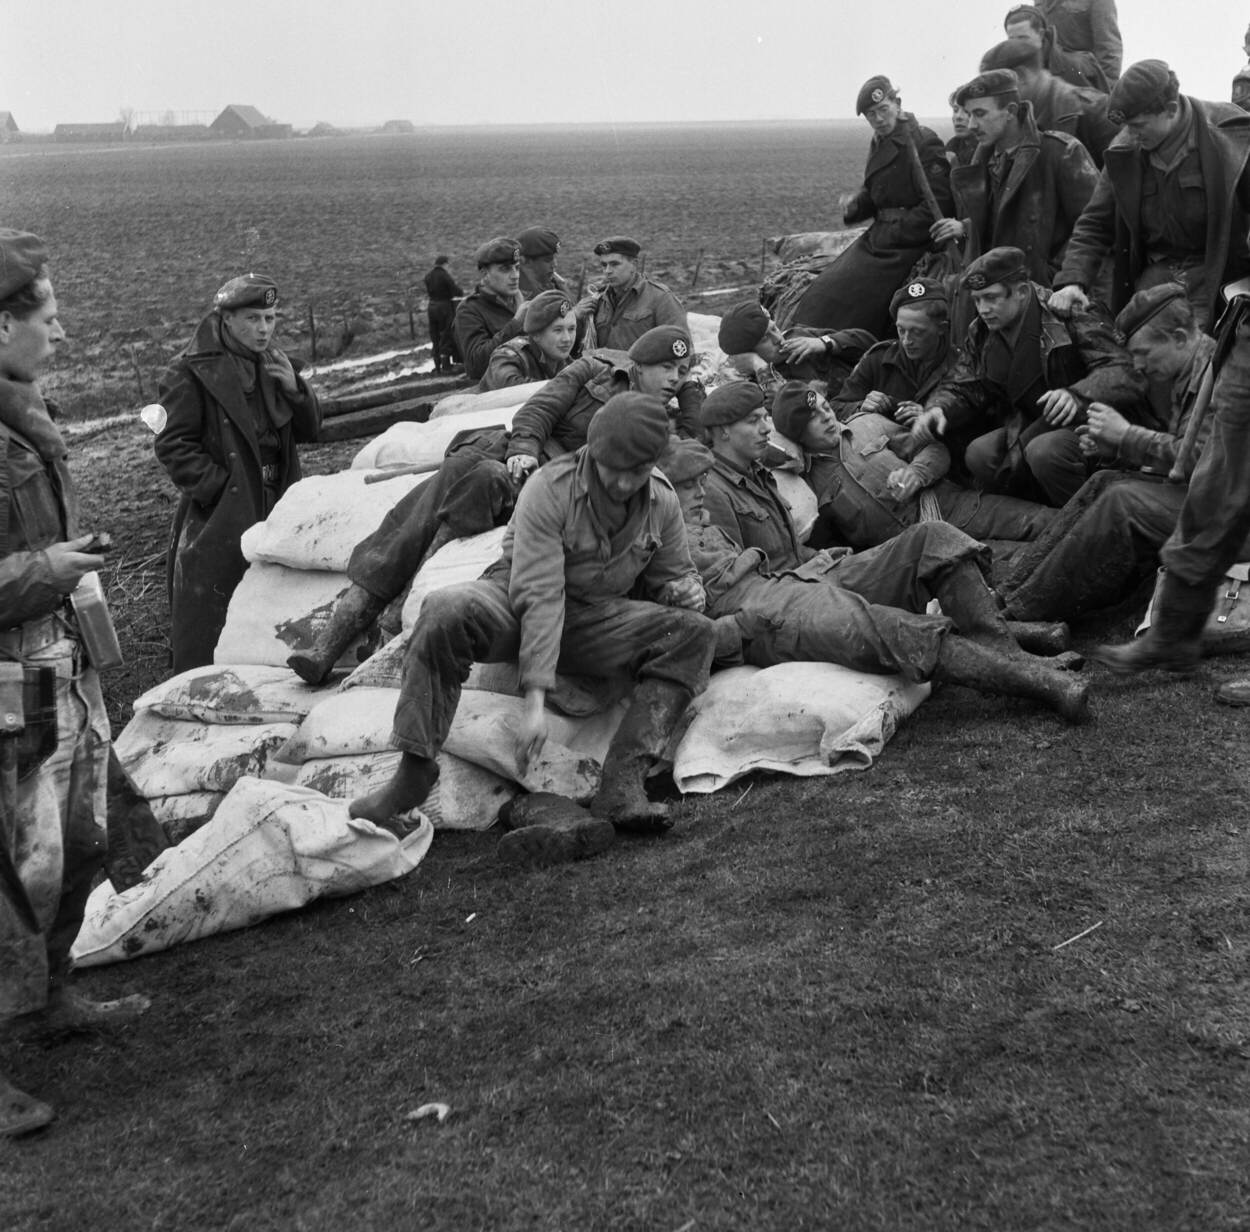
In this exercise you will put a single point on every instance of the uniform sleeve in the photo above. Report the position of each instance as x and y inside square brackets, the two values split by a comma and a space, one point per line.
[690, 398]
[930, 462]
[476, 340]
[1143, 449]
[964, 395]
[26, 589]
[506, 368]
[1108, 48]
[1110, 376]
[536, 583]
[720, 511]
[180, 444]
[1090, 240]
[863, 380]
[305, 408]
[534, 423]
[1078, 177]
[671, 561]
[668, 311]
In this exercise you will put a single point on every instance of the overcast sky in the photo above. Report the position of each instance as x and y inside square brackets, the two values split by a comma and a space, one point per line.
[358, 62]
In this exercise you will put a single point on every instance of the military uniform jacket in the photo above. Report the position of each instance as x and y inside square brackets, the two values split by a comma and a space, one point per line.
[887, 369]
[1112, 219]
[622, 318]
[748, 508]
[481, 323]
[1051, 180]
[1088, 30]
[517, 362]
[440, 285]
[556, 552]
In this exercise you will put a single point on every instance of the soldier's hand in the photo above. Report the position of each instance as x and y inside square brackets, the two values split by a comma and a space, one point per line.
[1086, 443]
[586, 306]
[279, 368]
[522, 304]
[903, 483]
[1107, 427]
[907, 412]
[876, 403]
[929, 425]
[1066, 300]
[946, 229]
[795, 350]
[684, 592]
[1059, 407]
[532, 732]
[67, 562]
[520, 466]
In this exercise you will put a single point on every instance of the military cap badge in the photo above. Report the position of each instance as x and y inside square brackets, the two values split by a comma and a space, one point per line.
[1117, 117]
[565, 308]
[976, 282]
[916, 290]
[679, 348]
[810, 400]
[877, 95]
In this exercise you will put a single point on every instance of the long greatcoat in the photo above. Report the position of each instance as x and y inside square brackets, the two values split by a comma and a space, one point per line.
[209, 447]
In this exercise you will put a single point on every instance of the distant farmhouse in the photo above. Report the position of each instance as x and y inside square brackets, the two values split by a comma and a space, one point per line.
[399, 126]
[241, 121]
[172, 132]
[115, 130]
[9, 130]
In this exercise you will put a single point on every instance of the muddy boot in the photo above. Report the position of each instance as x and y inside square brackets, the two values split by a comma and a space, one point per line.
[69, 1010]
[1173, 643]
[972, 663]
[1041, 637]
[639, 742]
[352, 615]
[409, 787]
[551, 829]
[972, 605]
[20, 1113]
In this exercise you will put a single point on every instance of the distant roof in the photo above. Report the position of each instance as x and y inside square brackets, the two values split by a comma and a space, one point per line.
[248, 114]
[7, 121]
[111, 126]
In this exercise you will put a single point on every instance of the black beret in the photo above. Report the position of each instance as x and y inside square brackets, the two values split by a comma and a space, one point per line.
[618, 243]
[502, 250]
[1145, 87]
[22, 256]
[628, 431]
[545, 308]
[1012, 53]
[659, 345]
[875, 90]
[1146, 305]
[996, 82]
[1026, 12]
[919, 291]
[538, 242]
[742, 327]
[246, 291]
[683, 460]
[998, 265]
[793, 406]
[727, 404]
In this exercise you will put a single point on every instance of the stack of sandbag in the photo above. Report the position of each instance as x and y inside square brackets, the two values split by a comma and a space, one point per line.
[195, 736]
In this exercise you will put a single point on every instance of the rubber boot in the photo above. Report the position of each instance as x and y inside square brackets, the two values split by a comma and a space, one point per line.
[551, 829]
[1041, 637]
[639, 742]
[1173, 643]
[352, 615]
[409, 787]
[971, 604]
[21, 1113]
[973, 663]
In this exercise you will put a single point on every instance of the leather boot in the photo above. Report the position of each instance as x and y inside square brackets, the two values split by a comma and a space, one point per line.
[971, 604]
[352, 615]
[1173, 643]
[639, 742]
[550, 829]
[1041, 637]
[409, 787]
[20, 1113]
[973, 663]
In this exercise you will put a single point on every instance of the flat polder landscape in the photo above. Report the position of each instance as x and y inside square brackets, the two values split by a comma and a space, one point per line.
[999, 981]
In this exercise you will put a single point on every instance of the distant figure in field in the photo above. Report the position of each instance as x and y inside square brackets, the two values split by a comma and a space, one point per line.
[855, 290]
[1078, 65]
[626, 304]
[442, 291]
[495, 309]
[236, 407]
[539, 353]
[960, 148]
[539, 247]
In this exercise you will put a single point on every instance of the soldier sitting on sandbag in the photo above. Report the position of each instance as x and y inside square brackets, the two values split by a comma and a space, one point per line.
[777, 604]
[542, 351]
[475, 488]
[758, 350]
[590, 529]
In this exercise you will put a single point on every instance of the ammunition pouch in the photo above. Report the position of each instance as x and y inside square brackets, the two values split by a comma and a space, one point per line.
[28, 713]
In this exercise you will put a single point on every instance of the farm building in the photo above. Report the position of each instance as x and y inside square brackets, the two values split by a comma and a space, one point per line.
[114, 130]
[239, 120]
[172, 132]
[9, 130]
[399, 126]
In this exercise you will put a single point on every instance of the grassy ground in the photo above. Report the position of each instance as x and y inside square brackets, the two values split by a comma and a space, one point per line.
[819, 1004]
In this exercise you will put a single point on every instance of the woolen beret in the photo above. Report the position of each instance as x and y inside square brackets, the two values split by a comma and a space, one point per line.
[538, 242]
[618, 243]
[544, 308]
[247, 291]
[684, 459]
[1145, 87]
[1011, 53]
[727, 404]
[1146, 305]
[919, 291]
[988, 85]
[628, 431]
[875, 90]
[998, 265]
[502, 250]
[22, 256]
[661, 344]
[793, 405]
[742, 327]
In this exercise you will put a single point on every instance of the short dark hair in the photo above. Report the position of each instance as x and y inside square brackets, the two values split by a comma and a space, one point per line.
[441, 260]
[1026, 12]
[935, 309]
[30, 298]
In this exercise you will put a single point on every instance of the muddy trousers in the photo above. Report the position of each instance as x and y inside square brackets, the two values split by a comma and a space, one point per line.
[1050, 467]
[52, 824]
[474, 623]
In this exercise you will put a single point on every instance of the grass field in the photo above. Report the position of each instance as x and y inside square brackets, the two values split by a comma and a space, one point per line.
[817, 1004]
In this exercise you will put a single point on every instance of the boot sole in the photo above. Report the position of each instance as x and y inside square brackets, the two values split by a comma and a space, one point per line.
[540, 844]
[308, 671]
[1121, 667]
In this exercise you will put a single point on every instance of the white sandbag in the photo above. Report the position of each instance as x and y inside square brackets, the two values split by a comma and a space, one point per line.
[274, 610]
[463, 403]
[384, 668]
[461, 560]
[796, 718]
[344, 724]
[180, 816]
[424, 444]
[170, 757]
[240, 693]
[269, 848]
[318, 521]
[466, 797]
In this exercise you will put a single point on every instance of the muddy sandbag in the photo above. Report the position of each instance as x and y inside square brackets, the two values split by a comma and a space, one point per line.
[796, 718]
[181, 816]
[170, 757]
[318, 521]
[269, 848]
[425, 444]
[813, 243]
[384, 668]
[493, 399]
[461, 560]
[343, 724]
[238, 693]
[466, 797]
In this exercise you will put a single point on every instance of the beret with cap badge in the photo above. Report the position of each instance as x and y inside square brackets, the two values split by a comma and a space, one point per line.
[621, 244]
[794, 404]
[502, 250]
[1145, 87]
[660, 345]
[1004, 265]
[919, 291]
[1146, 305]
[246, 291]
[727, 404]
[538, 242]
[995, 83]
[545, 308]
[875, 90]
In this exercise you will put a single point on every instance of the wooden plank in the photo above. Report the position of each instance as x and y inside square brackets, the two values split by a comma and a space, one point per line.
[374, 420]
[426, 388]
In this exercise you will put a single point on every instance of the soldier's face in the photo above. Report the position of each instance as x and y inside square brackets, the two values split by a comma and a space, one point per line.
[1157, 355]
[746, 440]
[999, 305]
[987, 121]
[662, 380]
[821, 433]
[1026, 33]
[1150, 131]
[540, 268]
[919, 335]
[618, 271]
[883, 116]
[959, 118]
[251, 327]
[691, 494]
[766, 347]
[556, 341]
[620, 484]
[502, 279]
[28, 343]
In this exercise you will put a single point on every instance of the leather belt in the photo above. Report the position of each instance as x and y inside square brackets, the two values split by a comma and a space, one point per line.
[270, 472]
[33, 636]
